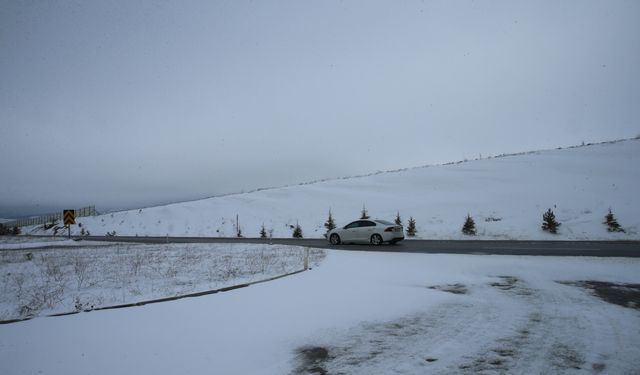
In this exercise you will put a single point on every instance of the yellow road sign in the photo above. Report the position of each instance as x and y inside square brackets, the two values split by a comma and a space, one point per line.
[69, 217]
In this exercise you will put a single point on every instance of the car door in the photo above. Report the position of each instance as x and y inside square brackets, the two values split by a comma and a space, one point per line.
[365, 230]
[350, 232]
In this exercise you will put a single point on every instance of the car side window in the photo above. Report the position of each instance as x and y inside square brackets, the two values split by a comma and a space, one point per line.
[367, 224]
[355, 224]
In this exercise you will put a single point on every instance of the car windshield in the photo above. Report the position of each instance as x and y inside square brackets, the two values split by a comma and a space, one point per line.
[384, 222]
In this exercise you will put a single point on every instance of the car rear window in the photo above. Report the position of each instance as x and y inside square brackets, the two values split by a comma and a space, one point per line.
[384, 222]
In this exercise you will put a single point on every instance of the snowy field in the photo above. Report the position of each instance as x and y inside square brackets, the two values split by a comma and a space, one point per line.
[47, 277]
[505, 195]
[364, 313]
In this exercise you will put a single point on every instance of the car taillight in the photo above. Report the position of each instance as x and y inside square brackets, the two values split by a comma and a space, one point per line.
[390, 229]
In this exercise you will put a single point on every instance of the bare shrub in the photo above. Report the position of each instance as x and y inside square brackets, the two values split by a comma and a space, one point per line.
[50, 269]
[25, 311]
[80, 267]
[253, 265]
[190, 258]
[137, 260]
[87, 302]
[229, 269]
[171, 272]
[18, 281]
[47, 292]
[267, 260]
[259, 262]
[156, 263]
[316, 256]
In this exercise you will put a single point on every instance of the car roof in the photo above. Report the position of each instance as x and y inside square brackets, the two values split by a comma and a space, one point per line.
[381, 221]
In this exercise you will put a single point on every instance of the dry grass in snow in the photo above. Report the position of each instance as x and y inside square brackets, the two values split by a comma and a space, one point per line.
[44, 281]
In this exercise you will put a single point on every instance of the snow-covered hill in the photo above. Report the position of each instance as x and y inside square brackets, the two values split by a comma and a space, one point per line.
[505, 195]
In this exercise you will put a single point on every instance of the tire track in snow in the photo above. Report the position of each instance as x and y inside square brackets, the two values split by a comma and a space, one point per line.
[564, 335]
[398, 346]
[506, 326]
[418, 342]
[530, 346]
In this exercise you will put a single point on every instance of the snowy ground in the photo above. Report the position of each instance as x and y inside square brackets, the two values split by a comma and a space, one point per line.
[47, 277]
[505, 195]
[364, 313]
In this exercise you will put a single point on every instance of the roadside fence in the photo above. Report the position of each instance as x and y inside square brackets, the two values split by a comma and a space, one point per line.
[48, 218]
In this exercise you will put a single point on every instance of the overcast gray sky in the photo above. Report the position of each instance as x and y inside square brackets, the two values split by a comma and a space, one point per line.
[132, 103]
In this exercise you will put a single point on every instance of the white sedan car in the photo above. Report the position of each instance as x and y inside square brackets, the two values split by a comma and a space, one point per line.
[375, 232]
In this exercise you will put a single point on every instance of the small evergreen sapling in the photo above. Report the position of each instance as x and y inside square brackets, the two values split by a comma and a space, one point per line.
[330, 224]
[411, 227]
[469, 227]
[612, 223]
[263, 232]
[549, 222]
[364, 215]
[398, 219]
[297, 231]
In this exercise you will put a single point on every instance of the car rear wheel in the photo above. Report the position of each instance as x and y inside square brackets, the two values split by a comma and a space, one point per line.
[334, 239]
[376, 239]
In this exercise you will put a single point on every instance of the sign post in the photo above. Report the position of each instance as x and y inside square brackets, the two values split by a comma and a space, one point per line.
[69, 217]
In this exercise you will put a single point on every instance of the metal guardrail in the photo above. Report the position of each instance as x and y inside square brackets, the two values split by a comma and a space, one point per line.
[48, 218]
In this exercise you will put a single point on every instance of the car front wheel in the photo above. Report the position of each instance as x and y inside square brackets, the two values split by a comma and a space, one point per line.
[376, 239]
[334, 239]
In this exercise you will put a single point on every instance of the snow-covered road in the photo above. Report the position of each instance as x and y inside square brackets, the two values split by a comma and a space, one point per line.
[361, 313]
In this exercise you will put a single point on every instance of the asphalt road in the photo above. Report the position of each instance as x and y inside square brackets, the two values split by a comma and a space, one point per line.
[550, 248]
